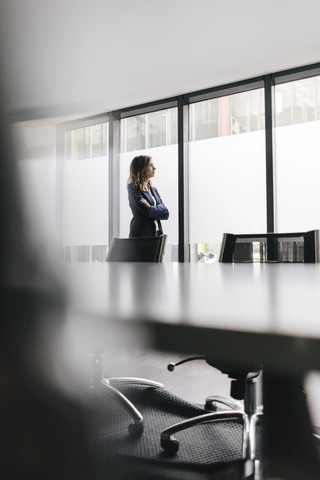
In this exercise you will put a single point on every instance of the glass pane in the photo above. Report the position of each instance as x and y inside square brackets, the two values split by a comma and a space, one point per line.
[161, 129]
[297, 102]
[151, 130]
[246, 112]
[68, 145]
[227, 191]
[85, 193]
[81, 143]
[204, 120]
[228, 115]
[98, 253]
[81, 253]
[85, 202]
[297, 155]
[156, 129]
[160, 126]
[133, 133]
[99, 140]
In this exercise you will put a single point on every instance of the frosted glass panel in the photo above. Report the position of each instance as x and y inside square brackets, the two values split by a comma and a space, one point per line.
[35, 144]
[297, 155]
[85, 202]
[38, 179]
[227, 187]
[165, 160]
[297, 176]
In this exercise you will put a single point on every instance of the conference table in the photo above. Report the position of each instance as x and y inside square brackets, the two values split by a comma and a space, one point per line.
[236, 313]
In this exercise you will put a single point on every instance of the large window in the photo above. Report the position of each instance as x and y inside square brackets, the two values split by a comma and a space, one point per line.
[242, 158]
[297, 155]
[153, 134]
[227, 181]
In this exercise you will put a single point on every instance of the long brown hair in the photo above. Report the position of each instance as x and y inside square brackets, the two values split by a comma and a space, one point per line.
[137, 168]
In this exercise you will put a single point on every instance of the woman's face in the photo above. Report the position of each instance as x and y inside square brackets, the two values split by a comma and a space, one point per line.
[149, 170]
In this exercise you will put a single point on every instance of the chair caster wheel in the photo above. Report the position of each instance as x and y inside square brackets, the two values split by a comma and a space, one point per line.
[170, 446]
[135, 429]
[210, 405]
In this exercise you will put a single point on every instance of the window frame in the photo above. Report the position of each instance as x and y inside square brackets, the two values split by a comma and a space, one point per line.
[182, 102]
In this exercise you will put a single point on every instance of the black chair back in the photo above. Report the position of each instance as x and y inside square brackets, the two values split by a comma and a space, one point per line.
[139, 249]
[301, 247]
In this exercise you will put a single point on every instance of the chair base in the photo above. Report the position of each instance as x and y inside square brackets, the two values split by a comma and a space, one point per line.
[135, 428]
[248, 416]
[213, 400]
[171, 445]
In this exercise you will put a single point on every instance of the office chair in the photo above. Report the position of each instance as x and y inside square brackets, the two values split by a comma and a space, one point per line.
[142, 249]
[138, 249]
[271, 247]
[302, 247]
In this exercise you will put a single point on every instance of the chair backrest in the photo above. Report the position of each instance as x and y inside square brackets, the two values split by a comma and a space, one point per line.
[139, 249]
[301, 247]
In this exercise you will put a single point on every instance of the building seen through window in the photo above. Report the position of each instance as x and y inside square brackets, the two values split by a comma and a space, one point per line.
[86, 142]
[227, 115]
[156, 129]
[298, 101]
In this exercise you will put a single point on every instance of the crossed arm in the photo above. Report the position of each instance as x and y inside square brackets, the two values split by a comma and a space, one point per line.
[157, 212]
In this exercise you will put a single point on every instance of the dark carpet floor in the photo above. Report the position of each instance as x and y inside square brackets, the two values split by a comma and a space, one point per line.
[207, 451]
[204, 449]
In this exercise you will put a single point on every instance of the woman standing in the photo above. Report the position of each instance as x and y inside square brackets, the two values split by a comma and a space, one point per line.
[145, 202]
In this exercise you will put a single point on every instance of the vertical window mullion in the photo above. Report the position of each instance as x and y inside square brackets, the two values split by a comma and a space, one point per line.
[113, 159]
[168, 128]
[268, 92]
[183, 191]
[147, 131]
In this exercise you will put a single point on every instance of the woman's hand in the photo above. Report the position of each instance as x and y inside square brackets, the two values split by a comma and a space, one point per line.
[144, 201]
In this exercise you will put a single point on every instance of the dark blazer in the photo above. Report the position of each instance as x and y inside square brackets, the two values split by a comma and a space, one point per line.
[146, 220]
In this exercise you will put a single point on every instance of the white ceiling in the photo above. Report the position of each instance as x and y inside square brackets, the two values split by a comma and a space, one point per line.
[91, 56]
